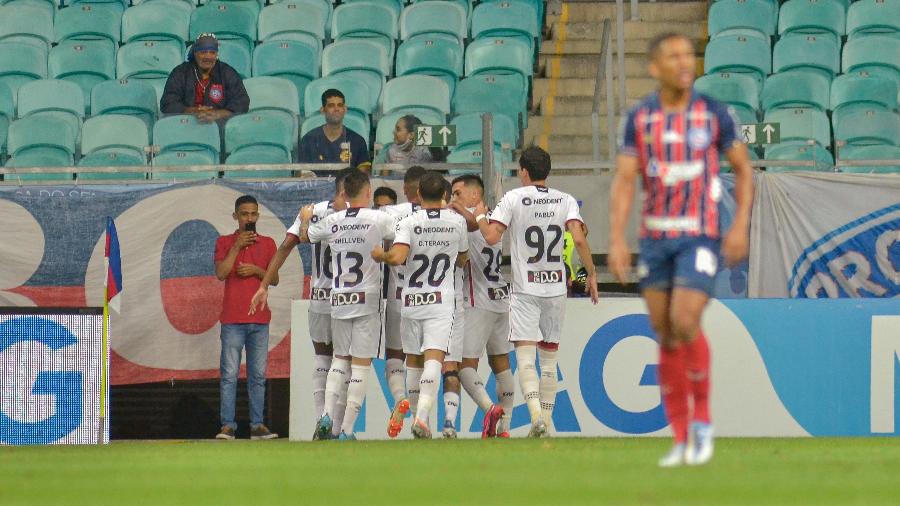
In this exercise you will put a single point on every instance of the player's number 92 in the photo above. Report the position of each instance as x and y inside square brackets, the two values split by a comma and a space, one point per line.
[534, 238]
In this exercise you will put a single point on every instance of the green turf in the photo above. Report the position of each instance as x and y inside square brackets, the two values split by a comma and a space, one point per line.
[518, 471]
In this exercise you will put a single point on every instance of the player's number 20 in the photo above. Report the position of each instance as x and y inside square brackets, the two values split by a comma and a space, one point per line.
[535, 238]
[436, 273]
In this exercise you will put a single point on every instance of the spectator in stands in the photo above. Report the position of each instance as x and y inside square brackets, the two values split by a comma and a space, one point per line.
[204, 86]
[241, 260]
[384, 196]
[333, 142]
[403, 149]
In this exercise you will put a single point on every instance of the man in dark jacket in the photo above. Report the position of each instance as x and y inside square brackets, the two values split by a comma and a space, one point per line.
[204, 86]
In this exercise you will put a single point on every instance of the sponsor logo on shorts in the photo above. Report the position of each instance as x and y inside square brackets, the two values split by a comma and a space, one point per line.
[545, 277]
[501, 293]
[348, 299]
[320, 294]
[422, 299]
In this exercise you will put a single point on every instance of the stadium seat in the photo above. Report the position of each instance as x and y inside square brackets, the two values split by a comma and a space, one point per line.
[471, 154]
[430, 18]
[126, 96]
[116, 5]
[384, 131]
[359, 59]
[275, 95]
[7, 113]
[235, 53]
[182, 140]
[21, 63]
[537, 5]
[739, 54]
[511, 20]
[798, 151]
[802, 124]
[792, 89]
[738, 90]
[253, 6]
[488, 93]
[860, 88]
[876, 152]
[366, 20]
[259, 138]
[415, 93]
[292, 60]
[869, 126]
[28, 23]
[113, 140]
[465, 4]
[356, 95]
[439, 57]
[873, 17]
[499, 56]
[815, 53]
[227, 21]
[157, 21]
[875, 54]
[87, 22]
[396, 6]
[742, 17]
[812, 17]
[300, 20]
[85, 63]
[148, 61]
[469, 130]
[358, 124]
[40, 141]
[53, 97]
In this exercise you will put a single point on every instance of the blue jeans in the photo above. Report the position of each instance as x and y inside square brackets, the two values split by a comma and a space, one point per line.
[235, 336]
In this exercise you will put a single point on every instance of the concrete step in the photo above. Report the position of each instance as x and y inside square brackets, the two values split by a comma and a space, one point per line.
[575, 145]
[658, 11]
[636, 87]
[577, 106]
[643, 30]
[586, 66]
[635, 47]
[564, 125]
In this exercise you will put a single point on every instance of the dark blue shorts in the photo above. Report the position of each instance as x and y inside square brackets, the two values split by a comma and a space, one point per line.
[687, 262]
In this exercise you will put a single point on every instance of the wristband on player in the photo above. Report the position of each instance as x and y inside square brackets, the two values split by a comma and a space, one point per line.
[480, 217]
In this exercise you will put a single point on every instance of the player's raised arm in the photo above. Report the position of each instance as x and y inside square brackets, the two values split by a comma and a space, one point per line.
[491, 230]
[621, 195]
[260, 298]
[736, 242]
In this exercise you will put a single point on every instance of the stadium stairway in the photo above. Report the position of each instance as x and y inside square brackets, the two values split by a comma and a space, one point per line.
[567, 67]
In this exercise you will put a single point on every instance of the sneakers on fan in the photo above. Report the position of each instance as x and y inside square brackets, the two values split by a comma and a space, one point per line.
[700, 451]
[675, 457]
[260, 432]
[489, 424]
[420, 429]
[346, 437]
[323, 428]
[226, 433]
[538, 430]
[395, 423]
[449, 431]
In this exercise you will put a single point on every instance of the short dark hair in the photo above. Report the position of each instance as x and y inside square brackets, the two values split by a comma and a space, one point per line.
[244, 199]
[354, 181]
[431, 186]
[339, 177]
[331, 92]
[469, 180]
[384, 191]
[410, 122]
[448, 189]
[657, 42]
[536, 161]
[414, 174]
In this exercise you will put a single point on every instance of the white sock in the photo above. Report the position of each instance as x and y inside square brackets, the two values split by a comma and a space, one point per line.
[321, 366]
[334, 384]
[413, 375]
[528, 381]
[356, 393]
[340, 409]
[473, 386]
[394, 371]
[548, 384]
[451, 407]
[428, 388]
[506, 393]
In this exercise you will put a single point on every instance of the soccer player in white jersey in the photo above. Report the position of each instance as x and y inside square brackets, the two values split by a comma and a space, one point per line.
[393, 345]
[355, 295]
[450, 370]
[537, 218]
[320, 291]
[429, 243]
[487, 318]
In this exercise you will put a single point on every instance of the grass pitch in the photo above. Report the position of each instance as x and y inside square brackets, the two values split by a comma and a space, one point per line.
[519, 471]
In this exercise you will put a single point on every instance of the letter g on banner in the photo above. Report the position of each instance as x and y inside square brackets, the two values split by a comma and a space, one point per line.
[594, 388]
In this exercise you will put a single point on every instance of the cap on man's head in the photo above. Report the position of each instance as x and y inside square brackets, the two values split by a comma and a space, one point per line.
[206, 42]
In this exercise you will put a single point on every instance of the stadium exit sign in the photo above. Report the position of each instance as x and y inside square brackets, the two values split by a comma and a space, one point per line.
[761, 133]
[436, 136]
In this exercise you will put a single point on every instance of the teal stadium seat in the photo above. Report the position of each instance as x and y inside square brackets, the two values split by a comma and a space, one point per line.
[739, 54]
[537, 6]
[813, 53]
[191, 4]
[7, 113]
[875, 54]
[742, 17]
[488, 93]
[471, 154]
[869, 126]
[416, 93]
[40, 141]
[300, 20]
[469, 129]
[396, 6]
[360, 125]
[798, 151]
[812, 17]
[802, 124]
[356, 95]
[791, 89]
[182, 140]
[295, 61]
[737, 90]
[326, 6]
[274, 96]
[252, 6]
[359, 59]
[366, 20]
[115, 5]
[861, 91]
[465, 4]
[148, 61]
[87, 22]
[113, 140]
[21, 63]
[876, 152]
[866, 17]
[28, 23]
[438, 56]
[158, 21]
[53, 97]
[430, 19]
[235, 53]
[516, 20]
[499, 56]
[85, 63]
[126, 96]
[258, 138]
[384, 131]
[227, 21]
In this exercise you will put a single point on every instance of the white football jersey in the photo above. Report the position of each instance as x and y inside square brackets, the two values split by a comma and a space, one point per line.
[352, 234]
[536, 218]
[435, 238]
[487, 288]
[320, 282]
[395, 280]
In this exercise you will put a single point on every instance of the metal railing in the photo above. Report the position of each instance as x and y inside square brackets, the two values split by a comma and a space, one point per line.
[604, 80]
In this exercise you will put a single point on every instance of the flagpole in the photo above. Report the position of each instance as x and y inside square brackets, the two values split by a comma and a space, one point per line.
[104, 339]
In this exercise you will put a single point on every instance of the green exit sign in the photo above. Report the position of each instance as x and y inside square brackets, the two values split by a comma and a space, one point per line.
[436, 136]
[761, 133]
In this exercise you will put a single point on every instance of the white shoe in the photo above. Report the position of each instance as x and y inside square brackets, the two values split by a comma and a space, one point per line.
[449, 431]
[675, 457]
[539, 430]
[700, 450]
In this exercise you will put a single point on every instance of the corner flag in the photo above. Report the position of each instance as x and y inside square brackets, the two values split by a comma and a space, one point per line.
[113, 262]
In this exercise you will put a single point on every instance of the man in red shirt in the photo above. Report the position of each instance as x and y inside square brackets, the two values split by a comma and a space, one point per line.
[241, 259]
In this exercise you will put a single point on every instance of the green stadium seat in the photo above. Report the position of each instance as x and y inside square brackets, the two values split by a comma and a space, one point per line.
[235, 53]
[191, 4]
[415, 93]
[259, 138]
[28, 23]
[113, 140]
[798, 151]
[815, 53]
[384, 131]
[87, 22]
[472, 154]
[801, 124]
[739, 54]
[465, 4]
[355, 122]
[876, 152]
[396, 6]
[812, 16]
[366, 20]
[356, 95]
[253, 6]
[359, 59]
[430, 18]
[53, 97]
[868, 126]
[148, 61]
[434, 56]
[511, 20]
[300, 20]
[227, 21]
[745, 116]
[118, 5]
[742, 17]
[85, 63]
[157, 21]
[21, 63]
[126, 96]
[738, 90]
[469, 129]
[791, 89]
[306, 5]
[875, 54]
[274, 95]
[182, 140]
[873, 17]
[7, 113]
[295, 61]
[499, 56]
[537, 5]
[860, 88]
[40, 141]
[488, 93]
